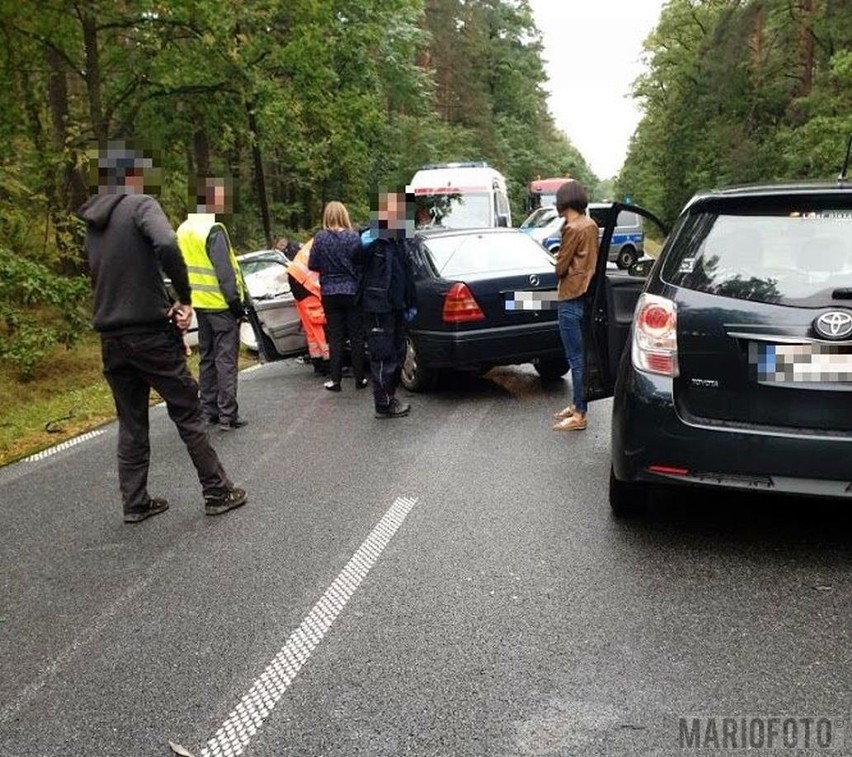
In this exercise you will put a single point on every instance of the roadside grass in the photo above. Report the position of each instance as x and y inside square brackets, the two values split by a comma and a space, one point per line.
[67, 396]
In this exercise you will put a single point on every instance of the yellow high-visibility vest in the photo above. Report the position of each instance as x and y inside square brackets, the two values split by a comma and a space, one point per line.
[192, 239]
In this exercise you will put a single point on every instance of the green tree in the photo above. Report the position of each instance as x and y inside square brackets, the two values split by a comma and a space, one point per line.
[739, 92]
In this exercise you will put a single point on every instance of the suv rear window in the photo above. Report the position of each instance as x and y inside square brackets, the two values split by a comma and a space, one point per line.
[780, 255]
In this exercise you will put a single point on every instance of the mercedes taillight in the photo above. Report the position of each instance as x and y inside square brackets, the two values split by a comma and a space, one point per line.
[654, 348]
[460, 305]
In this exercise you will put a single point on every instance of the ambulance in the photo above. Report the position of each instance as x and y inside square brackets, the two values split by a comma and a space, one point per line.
[460, 196]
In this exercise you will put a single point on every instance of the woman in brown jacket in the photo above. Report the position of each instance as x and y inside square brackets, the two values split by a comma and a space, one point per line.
[575, 266]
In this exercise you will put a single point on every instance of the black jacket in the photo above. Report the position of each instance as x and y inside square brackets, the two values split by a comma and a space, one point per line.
[387, 283]
[130, 244]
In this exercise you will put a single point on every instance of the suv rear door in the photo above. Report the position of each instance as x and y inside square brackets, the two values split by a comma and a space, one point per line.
[611, 302]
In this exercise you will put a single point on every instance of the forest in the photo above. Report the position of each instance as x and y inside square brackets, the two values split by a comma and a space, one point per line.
[298, 101]
[737, 92]
[303, 101]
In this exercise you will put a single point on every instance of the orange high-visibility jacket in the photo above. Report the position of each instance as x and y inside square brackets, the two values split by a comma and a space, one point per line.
[298, 269]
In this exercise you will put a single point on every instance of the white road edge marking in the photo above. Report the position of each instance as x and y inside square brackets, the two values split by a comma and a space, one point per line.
[63, 446]
[92, 434]
[246, 719]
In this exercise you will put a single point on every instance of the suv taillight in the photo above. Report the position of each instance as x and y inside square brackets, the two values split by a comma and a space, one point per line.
[654, 348]
[460, 306]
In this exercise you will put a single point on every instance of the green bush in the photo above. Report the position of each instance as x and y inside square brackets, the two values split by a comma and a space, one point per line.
[39, 309]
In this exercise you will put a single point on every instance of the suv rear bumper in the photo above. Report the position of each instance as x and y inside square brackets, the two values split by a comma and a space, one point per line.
[652, 442]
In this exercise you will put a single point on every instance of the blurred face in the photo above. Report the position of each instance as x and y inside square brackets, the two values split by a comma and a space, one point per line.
[392, 210]
[216, 199]
[135, 181]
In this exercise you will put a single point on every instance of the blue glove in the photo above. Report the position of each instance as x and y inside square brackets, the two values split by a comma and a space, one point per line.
[410, 315]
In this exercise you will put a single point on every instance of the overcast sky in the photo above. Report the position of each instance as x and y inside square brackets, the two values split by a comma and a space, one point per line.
[592, 52]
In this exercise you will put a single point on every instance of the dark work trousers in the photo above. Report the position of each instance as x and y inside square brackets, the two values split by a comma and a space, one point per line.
[344, 318]
[219, 349]
[386, 343]
[133, 365]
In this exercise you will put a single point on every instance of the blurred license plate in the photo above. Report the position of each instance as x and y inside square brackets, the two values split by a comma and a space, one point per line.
[800, 363]
[538, 300]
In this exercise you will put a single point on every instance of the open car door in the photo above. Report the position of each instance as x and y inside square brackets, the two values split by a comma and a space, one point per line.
[611, 301]
[273, 326]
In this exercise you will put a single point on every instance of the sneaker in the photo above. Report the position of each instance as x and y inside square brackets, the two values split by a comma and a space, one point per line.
[236, 423]
[155, 507]
[396, 409]
[362, 383]
[332, 386]
[231, 499]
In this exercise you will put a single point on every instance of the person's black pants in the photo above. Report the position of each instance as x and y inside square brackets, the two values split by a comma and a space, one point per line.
[133, 365]
[344, 318]
[219, 349]
[386, 343]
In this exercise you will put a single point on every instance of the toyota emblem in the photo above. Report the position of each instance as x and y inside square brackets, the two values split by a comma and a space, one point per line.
[534, 280]
[835, 324]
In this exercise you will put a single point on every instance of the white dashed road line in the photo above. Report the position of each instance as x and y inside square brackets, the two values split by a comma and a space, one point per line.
[63, 446]
[247, 717]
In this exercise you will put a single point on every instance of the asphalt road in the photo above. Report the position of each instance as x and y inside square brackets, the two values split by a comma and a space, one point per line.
[492, 606]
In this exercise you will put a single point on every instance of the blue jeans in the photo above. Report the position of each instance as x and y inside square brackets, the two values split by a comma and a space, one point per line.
[571, 329]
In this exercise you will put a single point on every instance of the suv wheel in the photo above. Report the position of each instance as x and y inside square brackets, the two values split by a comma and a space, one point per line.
[626, 257]
[551, 369]
[626, 499]
[414, 376]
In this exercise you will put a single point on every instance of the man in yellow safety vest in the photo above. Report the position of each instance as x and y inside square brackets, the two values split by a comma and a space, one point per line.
[218, 296]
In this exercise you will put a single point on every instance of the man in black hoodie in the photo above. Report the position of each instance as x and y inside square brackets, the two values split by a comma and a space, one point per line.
[130, 243]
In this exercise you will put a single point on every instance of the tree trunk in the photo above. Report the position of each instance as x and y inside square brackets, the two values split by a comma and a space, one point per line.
[66, 187]
[806, 37]
[259, 180]
[201, 146]
[92, 75]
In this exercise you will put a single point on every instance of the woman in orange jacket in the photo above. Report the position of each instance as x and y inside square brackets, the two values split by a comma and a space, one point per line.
[304, 283]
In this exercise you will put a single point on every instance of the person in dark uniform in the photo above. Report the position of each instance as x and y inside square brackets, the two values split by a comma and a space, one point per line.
[219, 296]
[389, 300]
[130, 244]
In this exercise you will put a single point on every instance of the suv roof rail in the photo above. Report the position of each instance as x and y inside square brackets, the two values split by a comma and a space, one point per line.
[843, 177]
[460, 164]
